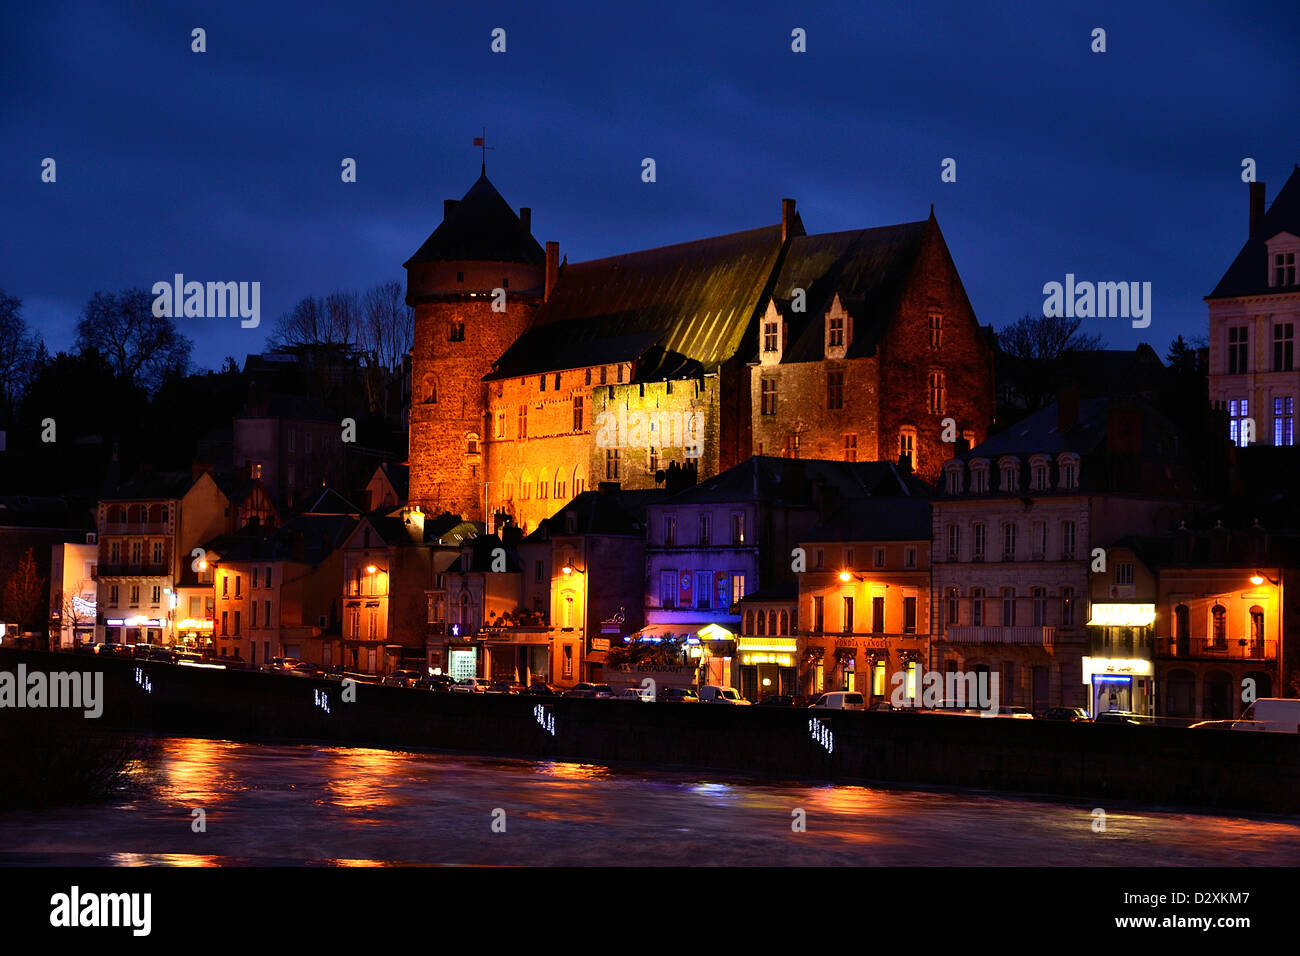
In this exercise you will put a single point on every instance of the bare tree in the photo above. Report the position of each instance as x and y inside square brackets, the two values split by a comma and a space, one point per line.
[377, 328]
[140, 346]
[24, 593]
[1044, 338]
[388, 327]
[18, 348]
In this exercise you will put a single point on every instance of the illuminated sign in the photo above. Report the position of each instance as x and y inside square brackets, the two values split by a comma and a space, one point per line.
[1103, 668]
[785, 660]
[780, 645]
[192, 624]
[1123, 615]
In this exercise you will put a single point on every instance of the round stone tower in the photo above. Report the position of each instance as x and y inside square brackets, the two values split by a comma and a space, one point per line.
[475, 285]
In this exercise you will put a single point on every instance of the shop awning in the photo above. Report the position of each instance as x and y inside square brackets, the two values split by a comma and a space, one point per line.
[596, 657]
[1122, 615]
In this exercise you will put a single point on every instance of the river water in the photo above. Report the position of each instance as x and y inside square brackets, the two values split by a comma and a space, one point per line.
[318, 805]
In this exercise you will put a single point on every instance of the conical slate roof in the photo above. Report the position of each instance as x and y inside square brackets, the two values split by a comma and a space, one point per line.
[480, 228]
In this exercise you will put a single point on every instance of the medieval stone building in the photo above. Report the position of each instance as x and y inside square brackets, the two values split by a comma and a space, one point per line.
[535, 380]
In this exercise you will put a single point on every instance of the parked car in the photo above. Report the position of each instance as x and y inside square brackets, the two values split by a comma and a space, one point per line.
[438, 683]
[307, 669]
[164, 654]
[541, 689]
[839, 700]
[1124, 717]
[603, 691]
[713, 694]
[1017, 712]
[504, 687]
[113, 649]
[637, 693]
[778, 700]
[679, 695]
[281, 664]
[185, 655]
[471, 685]
[882, 705]
[1065, 713]
[401, 678]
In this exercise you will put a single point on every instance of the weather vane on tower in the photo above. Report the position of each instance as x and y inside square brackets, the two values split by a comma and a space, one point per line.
[481, 143]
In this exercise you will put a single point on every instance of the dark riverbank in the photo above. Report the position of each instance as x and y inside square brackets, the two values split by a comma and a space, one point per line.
[1150, 765]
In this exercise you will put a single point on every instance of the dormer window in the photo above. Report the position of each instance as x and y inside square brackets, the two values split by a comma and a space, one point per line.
[953, 476]
[1039, 471]
[1283, 250]
[1067, 472]
[1283, 268]
[772, 344]
[839, 330]
[1009, 470]
[771, 332]
[979, 477]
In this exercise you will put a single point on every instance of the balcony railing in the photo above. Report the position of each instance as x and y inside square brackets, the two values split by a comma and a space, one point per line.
[1232, 649]
[134, 527]
[969, 634]
[132, 571]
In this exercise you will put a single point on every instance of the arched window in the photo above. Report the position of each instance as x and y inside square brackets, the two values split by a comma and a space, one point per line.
[785, 623]
[471, 443]
[1257, 626]
[1182, 622]
[1219, 631]
[762, 624]
[771, 622]
[749, 623]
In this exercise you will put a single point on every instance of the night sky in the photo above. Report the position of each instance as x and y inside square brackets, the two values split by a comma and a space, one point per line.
[225, 165]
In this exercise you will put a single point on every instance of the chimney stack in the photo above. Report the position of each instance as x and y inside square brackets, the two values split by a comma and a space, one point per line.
[448, 206]
[526, 219]
[787, 218]
[1256, 206]
[1067, 408]
[552, 268]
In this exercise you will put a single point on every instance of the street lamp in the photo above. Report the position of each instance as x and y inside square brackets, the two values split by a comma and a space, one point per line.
[569, 568]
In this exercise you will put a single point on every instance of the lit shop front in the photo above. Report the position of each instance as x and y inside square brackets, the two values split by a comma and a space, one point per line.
[1120, 674]
[134, 630]
[195, 633]
[767, 666]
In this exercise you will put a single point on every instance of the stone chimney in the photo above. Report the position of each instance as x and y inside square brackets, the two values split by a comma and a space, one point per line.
[448, 206]
[526, 219]
[552, 268]
[1067, 408]
[787, 218]
[413, 518]
[1256, 206]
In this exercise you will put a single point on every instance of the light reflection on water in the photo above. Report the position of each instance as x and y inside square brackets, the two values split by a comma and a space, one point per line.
[334, 806]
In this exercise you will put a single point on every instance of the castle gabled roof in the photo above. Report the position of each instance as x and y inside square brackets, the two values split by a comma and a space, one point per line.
[688, 307]
[480, 228]
[1248, 274]
[868, 268]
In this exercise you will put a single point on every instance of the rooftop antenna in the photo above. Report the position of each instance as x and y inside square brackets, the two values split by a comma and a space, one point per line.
[481, 143]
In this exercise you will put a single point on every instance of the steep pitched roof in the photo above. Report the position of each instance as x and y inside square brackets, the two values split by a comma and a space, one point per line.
[876, 519]
[1248, 274]
[695, 302]
[790, 482]
[597, 512]
[868, 269]
[480, 228]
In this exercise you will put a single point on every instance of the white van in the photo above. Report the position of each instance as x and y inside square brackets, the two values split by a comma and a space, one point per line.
[1279, 715]
[839, 700]
[713, 694]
